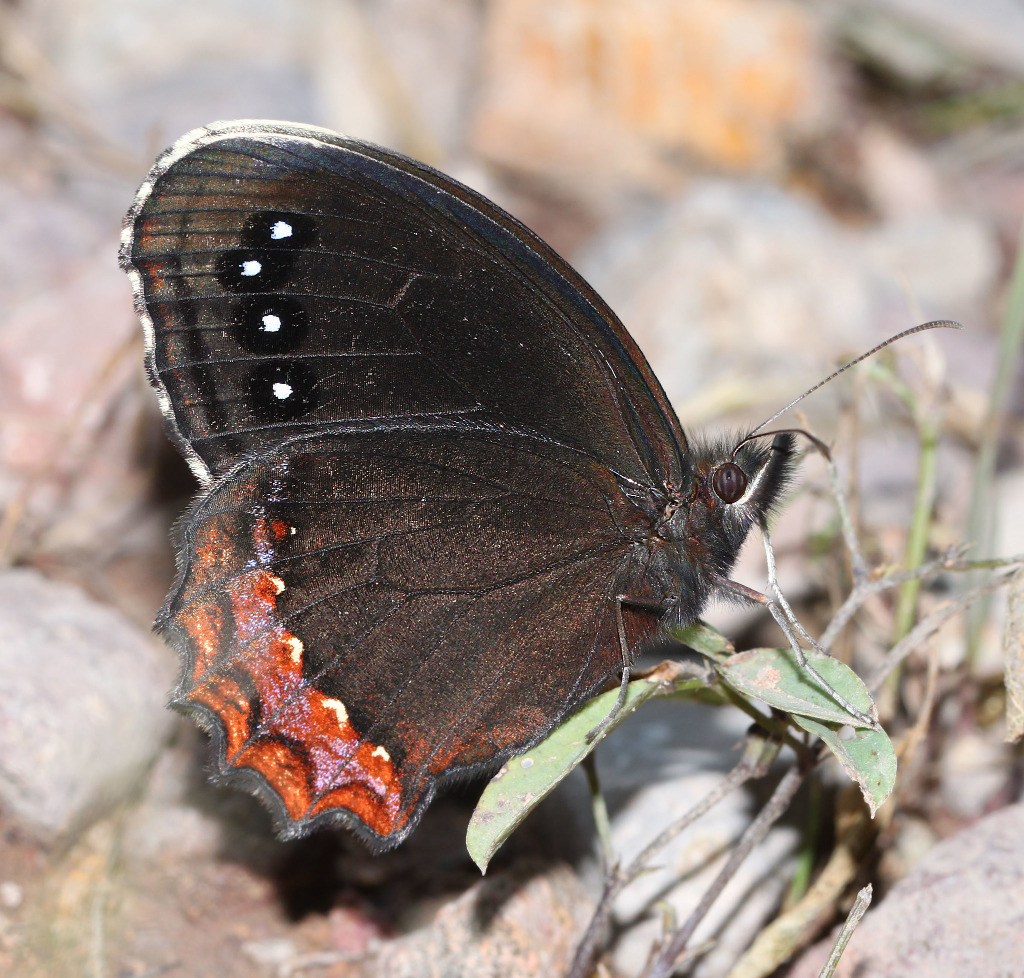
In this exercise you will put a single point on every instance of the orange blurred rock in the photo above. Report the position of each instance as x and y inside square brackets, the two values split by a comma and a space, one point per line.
[628, 88]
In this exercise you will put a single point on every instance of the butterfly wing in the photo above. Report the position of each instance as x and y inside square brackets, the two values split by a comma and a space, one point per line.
[290, 278]
[433, 460]
[369, 613]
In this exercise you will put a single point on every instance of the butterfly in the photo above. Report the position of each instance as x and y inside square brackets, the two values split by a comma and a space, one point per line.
[444, 498]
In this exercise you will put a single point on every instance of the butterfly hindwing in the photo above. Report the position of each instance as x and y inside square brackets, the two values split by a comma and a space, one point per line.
[366, 615]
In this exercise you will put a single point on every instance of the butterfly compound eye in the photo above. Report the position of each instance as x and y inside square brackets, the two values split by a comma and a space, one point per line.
[729, 481]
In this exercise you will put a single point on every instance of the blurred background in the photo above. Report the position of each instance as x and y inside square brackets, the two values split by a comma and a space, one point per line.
[759, 188]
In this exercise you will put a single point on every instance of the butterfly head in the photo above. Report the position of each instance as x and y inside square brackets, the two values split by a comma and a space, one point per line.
[734, 485]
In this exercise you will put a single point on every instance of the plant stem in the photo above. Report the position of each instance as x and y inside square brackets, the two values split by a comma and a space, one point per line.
[980, 523]
[917, 540]
[664, 960]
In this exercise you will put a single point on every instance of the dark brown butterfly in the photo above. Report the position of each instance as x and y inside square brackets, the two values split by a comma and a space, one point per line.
[444, 497]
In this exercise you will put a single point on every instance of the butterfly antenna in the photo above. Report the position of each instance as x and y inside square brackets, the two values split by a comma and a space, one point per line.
[934, 324]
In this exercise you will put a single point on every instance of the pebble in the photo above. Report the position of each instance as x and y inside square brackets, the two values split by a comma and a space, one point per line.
[973, 769]
[11, 895]
[272, 951]
[955, 915]
[82, 704]
[524, 922]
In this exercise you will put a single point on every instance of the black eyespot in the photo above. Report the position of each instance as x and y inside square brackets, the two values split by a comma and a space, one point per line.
[270, 324]
[253, 269]
[277, 229]
[283, 390]
[729, 482]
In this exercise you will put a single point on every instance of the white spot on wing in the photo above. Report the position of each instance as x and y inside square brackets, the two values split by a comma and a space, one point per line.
[338, 708]
[271, 323]
[281, 229]
[282, 391]
[252, 267]
[295, 648]
[279, 585]
[380, 752]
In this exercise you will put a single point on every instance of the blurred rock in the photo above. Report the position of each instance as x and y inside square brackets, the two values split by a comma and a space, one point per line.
[271, 951]
[11, 895]
[1010, 513]
[62, 353]
[911, 839]
[946, 264]
[44, 234]
[665, 760]
[899, 51]
[598, 94]
[986, 165]
[524, 922]
[398, 72]
[898, 179]
[82, 697]
[973, 771]
[956, 915]
[755, 284]
[741, 280]
[72, 401]
[168, 825]
[142, 75]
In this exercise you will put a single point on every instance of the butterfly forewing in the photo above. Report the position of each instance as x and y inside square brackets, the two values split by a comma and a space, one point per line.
[296, 279]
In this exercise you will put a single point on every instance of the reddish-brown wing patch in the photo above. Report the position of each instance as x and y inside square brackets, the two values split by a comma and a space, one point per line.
[246, 669]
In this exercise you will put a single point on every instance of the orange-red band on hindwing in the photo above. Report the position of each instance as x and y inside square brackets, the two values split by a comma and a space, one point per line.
[251, 675]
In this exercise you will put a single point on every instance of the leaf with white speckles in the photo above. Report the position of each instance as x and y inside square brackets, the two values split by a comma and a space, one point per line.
[867, 756]
[775, 677]
[525, 780]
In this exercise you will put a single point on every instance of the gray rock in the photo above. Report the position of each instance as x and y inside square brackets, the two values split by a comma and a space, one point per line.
[404, 73]
[70, 405]
[943, 261]
[398, 72]
[82, 704]
[733, 283]
[167, 824]
[957, 914]
[145, 73]
[1010, 512]
[736, 288]
[974, 769]
[525, 923]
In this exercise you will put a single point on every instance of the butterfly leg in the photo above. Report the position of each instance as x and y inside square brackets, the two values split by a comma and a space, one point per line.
[778, 607]
[656, 607]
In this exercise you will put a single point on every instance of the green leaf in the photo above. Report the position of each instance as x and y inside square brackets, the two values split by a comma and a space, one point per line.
[524, 780]
[775, 677]
[702, 638]
[867, 756]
